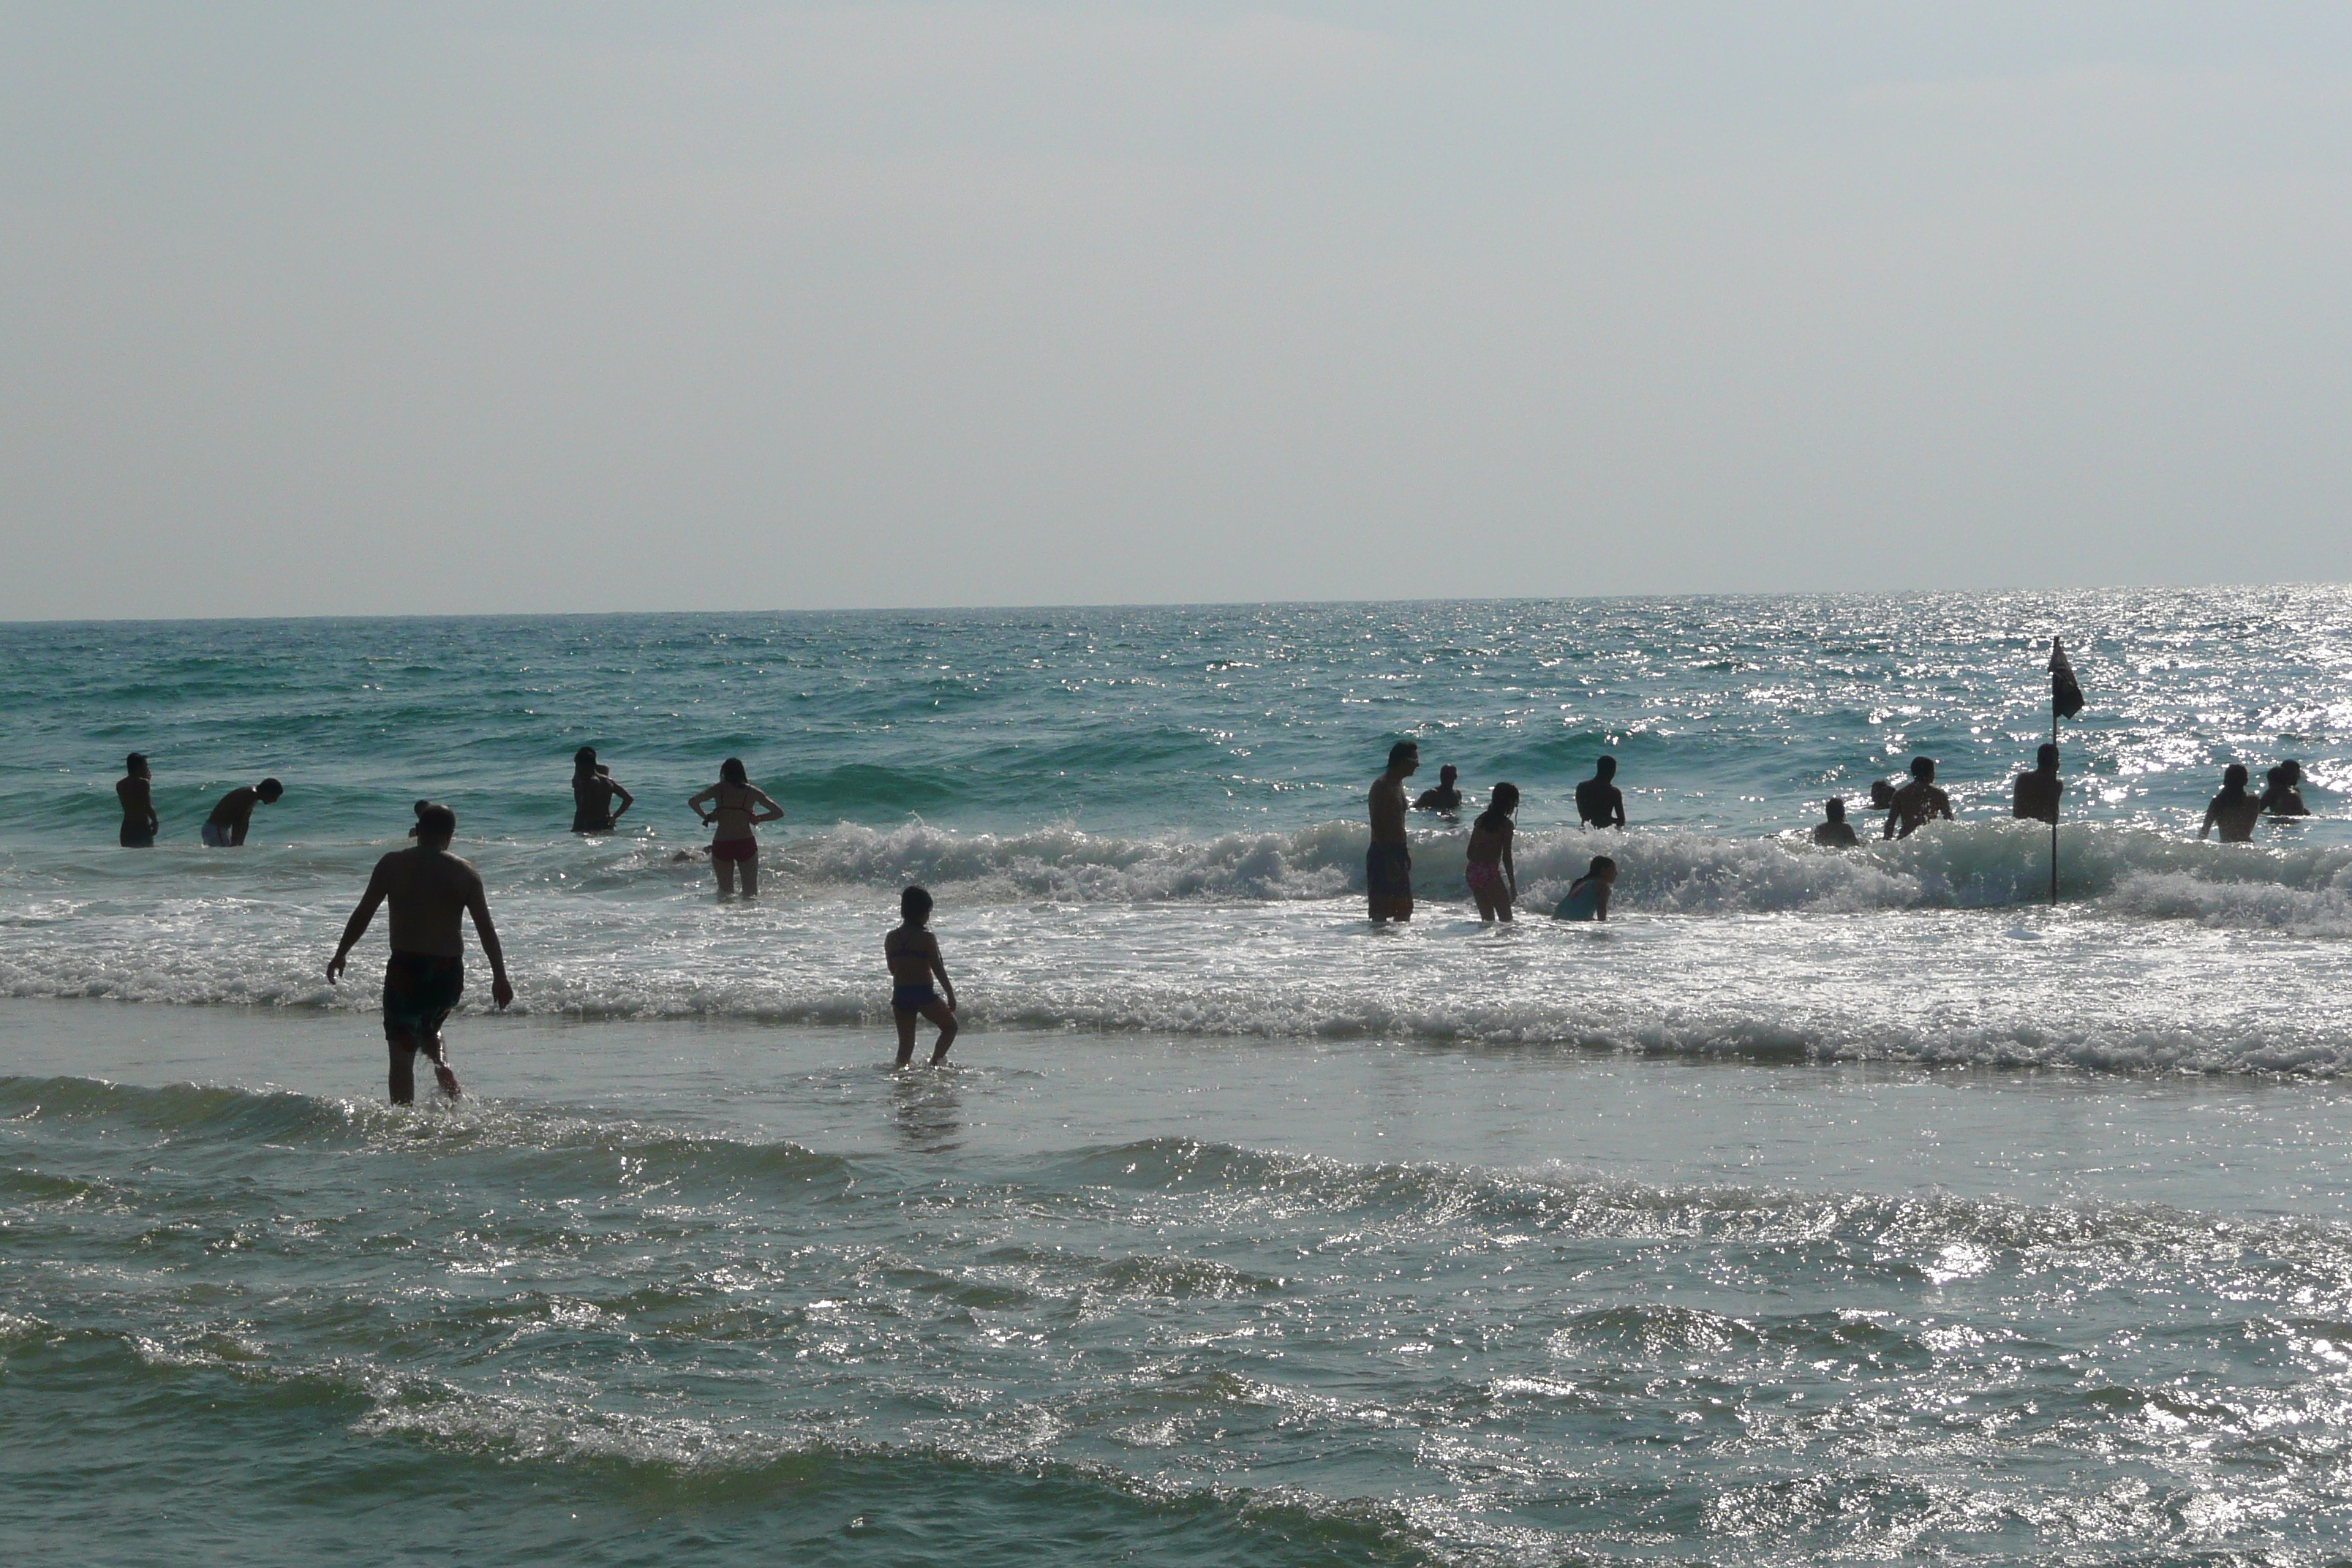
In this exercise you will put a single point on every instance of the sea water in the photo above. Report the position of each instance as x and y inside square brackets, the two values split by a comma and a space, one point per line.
[1824, 1204]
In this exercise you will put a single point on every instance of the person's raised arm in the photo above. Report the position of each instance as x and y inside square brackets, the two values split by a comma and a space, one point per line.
[694, 802]
[356, 927]
[775, 811]
[627, 800]
[478, 904]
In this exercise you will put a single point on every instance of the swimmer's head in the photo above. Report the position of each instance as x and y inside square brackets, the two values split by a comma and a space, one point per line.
[268, 790]
[1603, 868]
[435, 823]
[1923, 769]
[135, 765]
[2235, 776]
[1404, 756]
[1606, 768]
[914, 905]
[584, 761]
[1448, 774]
[731, 770]
[2047, 759]
[1506, 797]
[1835, 806]
[2288, 772]
[1882, 794]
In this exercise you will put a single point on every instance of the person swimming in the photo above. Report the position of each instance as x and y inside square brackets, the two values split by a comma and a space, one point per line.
[1833, 831]
[737, 806]
[1493, 881]
[2282, 790]
[1598, 801]
[2233, 811]
[1588, 896]
[2035, 795]
[1917, 803]
[1445, 796]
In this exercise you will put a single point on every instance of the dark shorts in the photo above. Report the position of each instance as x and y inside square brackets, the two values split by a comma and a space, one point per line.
[911, 998]
[419, 990]
[138, 836]
[1388, 871]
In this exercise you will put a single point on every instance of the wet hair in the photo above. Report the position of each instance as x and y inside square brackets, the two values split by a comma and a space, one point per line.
[435, 820]
[731, 770]
[1497, 816]
[1448, 774]
[915, 904]
[1600, 863]
[1923, 767]
[1835, 807]
[2047, 757]
[583, 759]
[269, 789]
[2235, 776]
[1605, 768]
[1404, 750]
[134, 761]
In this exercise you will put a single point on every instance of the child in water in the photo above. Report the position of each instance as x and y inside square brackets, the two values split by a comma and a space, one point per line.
[1588, 896]
[1493, 881]
[913, 954]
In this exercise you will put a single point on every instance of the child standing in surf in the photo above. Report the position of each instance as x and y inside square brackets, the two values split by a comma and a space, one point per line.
[1493, 881]
[913, 954]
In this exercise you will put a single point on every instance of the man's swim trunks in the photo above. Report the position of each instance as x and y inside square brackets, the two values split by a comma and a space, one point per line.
[911, 998]
[137, 835]
[419, 989]
[214, 835]
[736, 849]
[1388, 871]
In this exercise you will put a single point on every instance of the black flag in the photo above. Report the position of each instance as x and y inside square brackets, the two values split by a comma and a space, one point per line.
[2065, 693]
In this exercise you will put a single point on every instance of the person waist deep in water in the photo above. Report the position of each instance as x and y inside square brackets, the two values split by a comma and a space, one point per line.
[140, 823]
[593, 791]
[737, 806]
[2234, 812]
[1833, 831]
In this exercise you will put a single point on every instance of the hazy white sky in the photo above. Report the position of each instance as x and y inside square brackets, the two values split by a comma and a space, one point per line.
[408, 308]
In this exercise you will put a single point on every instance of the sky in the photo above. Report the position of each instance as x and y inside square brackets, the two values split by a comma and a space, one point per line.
[589, 306]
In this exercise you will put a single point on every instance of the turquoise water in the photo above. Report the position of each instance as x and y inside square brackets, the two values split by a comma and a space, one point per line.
[1821, 1206]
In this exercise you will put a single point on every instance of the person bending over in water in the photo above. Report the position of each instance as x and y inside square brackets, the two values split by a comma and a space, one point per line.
[226, 828]
[1833, 831]
[1588, 896]
[1917, 803]
[1598, 801]
[594, 790]
[2282, 798]
[2233, 811]
[913, 954]
[1388, 864]
[140, 823]
[429, 888]
[1445, 797]
[2035, 795]
[1493, 881]
[737, 807]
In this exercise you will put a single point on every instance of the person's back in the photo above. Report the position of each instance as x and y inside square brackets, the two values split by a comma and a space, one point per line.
[2233, 812]
[912, 952]
[594, 790]
[1919, 802]
[2036, 795]
[1835, 832]
[1588, 896]
[140, 823]
[1598, 801]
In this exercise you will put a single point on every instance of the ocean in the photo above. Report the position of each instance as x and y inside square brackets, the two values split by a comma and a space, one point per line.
[1821, 1204]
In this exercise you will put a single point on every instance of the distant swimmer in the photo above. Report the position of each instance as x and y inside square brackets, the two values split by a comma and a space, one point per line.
[1834, 831]
[1916, 803]
[1445, 797]
[2233, 811]
[140, 823]
[1588, 896]
[1882, 795]
[1597, 800]
[913, 954]
[737, 807]
[226, 828]
[2281, 795]
[2036, 795]
[593, 791]
[1388, 863]
[429, 888]
[1493, 881]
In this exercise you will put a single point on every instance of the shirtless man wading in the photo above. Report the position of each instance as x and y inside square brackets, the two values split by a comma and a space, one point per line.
[1388, 864]
[429, 888]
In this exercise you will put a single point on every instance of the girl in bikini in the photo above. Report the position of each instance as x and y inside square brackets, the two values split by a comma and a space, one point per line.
[1493, 881]
[736, 809]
